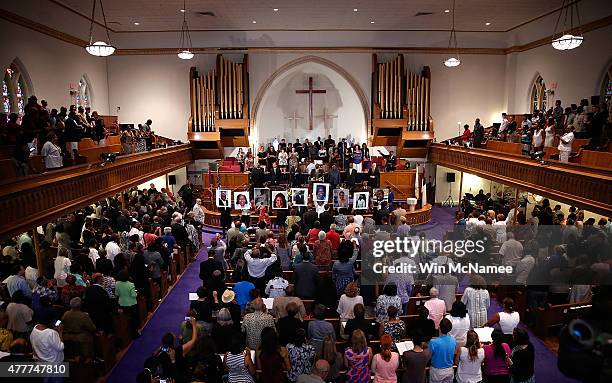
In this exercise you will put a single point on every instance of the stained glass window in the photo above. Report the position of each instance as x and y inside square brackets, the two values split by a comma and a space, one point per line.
[14, 90]
[20, 98]
[82, 95]
[539, 99]
[6, 97]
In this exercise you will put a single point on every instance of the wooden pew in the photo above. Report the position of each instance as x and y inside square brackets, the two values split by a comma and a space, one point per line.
[594, 158]
[121, 330]
[164, 284]
[36, 164]
[91, 150]
[7, 169]
[173, 273]
[153, 294]
[104, 346]
[181, 260]
[142, 308]
[504, 147]
[555, 316]
[288, 275]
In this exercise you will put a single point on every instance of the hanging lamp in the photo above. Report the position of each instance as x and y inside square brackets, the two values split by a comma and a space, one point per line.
[185, 51]
[99, 48]
[453, 61]
[565, 40]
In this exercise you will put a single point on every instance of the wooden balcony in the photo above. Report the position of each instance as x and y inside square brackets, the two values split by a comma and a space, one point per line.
[33, 200]
[586, 187]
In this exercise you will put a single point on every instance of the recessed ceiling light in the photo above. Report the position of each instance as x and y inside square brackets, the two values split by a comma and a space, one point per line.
[254, 22]
[355, 9]
[275, 9]
[182, 10]
[446, 10]
[136, 23]
[372, 22]
[487, 24]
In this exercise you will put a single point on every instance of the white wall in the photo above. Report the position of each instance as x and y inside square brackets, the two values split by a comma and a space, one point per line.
[578, 73]
[281, 101]
[155, 87]
[53, 65]
[471, 184]
[263, 65]
[472, 90]
[160, 182]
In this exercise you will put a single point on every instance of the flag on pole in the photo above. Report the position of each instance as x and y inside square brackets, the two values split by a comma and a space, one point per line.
[423, 194]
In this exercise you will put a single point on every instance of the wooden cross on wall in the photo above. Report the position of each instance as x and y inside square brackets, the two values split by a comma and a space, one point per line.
[310, 91]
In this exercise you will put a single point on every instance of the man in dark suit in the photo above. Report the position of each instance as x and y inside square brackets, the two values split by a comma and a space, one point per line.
[208, 267]
[327, 218]
[351, 176]
[179, 232]
[98, 304]
[334, 176]
[299, 198]
[257, 177]
[275, 174]
[305, 275]
[310, 217]
[390, 166]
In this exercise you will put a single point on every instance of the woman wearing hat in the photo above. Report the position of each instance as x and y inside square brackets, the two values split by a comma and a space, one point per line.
[228, 301]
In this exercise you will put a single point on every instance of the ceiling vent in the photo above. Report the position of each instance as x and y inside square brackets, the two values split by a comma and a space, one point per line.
[423, 14]
[206, 13]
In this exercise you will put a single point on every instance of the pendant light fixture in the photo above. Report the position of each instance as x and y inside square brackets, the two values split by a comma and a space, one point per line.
[454, 61]
[185, 51]
[99, 48]
[565, 40]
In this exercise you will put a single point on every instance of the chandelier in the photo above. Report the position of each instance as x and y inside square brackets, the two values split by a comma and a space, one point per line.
[564, 39]
[185, 52]
[99, 48]
[454, 61]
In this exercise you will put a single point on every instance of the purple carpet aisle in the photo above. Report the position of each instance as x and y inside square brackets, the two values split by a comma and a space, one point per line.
[167, 318]
[172, 311]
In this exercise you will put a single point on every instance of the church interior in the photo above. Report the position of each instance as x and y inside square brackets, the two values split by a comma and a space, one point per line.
[321, 191]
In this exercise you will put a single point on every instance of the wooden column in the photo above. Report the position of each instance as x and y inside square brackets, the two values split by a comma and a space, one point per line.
[460, 188]
[516, 197]
[39, 260]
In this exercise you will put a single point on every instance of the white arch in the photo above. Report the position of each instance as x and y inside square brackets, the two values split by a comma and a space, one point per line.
[258, 102]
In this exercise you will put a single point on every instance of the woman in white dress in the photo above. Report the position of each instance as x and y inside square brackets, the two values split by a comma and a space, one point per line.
[52, 153]
[549, 141]
[282, 158]
[460, 321]
[62, 266]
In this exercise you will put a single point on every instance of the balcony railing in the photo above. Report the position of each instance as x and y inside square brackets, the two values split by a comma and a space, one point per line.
[33, 200]
[575, 184]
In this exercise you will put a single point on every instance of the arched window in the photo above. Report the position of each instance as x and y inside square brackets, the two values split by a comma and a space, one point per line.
[83, 97]
[13, 91]
[606, 86]
[539, 99]
[6, 94]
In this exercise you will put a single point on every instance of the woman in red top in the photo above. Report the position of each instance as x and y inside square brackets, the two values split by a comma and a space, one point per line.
[465, 137]
[313, 234]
